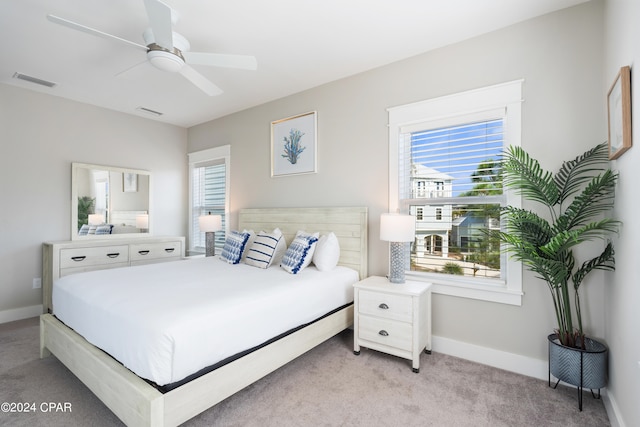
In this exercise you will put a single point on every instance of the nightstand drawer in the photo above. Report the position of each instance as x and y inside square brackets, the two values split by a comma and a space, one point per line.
[386, 332]
[389, 306]
[96, 256]
[154, 251]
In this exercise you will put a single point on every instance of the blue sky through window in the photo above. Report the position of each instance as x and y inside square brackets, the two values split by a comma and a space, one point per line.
[458, 150]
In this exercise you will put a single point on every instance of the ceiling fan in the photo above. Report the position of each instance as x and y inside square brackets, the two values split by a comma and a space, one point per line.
[168, 50]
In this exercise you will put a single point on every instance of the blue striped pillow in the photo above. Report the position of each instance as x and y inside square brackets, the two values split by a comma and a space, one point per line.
[265, 249]
[234, 246]
[104, 229]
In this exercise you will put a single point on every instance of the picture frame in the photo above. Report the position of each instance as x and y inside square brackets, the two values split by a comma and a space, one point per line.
[619, 114]
[294, 145]
[129, 182]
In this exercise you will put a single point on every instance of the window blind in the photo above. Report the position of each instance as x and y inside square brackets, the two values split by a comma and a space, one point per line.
[208, 196]
[452, 183]
[454, 161]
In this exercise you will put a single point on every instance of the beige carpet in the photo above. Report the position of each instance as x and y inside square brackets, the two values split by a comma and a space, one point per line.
[328, 386]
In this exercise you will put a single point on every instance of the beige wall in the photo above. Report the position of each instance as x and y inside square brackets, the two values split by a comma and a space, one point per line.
[560, 58]
[40, 135]
[622, 47]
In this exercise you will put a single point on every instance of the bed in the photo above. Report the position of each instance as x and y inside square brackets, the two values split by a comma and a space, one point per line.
[138, 403]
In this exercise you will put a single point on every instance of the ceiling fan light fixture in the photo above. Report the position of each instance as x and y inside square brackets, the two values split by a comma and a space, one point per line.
[165, 61]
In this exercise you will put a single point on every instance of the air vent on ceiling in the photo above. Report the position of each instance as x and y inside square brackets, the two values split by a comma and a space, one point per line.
[149, 111]
[35, 80]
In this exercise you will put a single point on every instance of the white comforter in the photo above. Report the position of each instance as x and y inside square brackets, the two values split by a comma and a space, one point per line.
[167, 321]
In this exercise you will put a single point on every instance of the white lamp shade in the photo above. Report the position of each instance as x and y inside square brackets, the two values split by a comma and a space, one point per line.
[210, 223]
[397, 227]
[95, 219]
[142, 221]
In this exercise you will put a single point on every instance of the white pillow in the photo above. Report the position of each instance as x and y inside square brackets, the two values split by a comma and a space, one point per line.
[327, 252]
[300, 252]
[266, 249]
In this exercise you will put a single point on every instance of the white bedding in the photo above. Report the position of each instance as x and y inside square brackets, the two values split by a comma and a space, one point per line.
[167, 321]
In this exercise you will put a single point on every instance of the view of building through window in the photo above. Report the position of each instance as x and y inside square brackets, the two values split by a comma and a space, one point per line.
[454, 189]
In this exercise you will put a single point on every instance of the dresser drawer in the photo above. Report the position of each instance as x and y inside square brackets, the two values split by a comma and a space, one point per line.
[95, 256]
[387, 332]
[156, 251]
[74, 270]
[389, 306]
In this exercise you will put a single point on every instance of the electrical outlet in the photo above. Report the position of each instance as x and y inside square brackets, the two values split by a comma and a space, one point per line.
[37, 283]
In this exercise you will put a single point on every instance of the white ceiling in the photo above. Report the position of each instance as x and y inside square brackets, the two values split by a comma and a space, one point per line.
[299, 44]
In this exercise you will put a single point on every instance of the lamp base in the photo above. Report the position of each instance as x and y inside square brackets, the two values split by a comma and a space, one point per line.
[396, 262]
[210, 243]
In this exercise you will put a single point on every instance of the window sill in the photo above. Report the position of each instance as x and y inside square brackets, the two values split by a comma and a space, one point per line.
[465, 289]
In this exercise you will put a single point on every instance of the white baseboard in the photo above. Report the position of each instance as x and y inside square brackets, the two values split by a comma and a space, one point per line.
[487, 356]
[20, 313]
[612, 410]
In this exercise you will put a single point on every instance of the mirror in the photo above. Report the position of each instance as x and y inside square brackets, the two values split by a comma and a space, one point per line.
[109, 202]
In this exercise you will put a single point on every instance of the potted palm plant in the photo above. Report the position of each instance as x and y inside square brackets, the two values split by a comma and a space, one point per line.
[577, 199]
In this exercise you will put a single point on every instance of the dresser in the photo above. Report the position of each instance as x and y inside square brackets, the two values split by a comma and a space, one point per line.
[68, 257]
[393, 318]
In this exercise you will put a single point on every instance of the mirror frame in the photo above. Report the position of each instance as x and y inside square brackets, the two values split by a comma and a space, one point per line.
[74, 201]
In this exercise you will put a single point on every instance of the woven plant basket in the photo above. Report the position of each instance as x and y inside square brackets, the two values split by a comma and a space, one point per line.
[581, 368]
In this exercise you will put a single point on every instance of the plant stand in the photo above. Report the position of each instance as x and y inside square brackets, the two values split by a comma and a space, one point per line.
[582, 368]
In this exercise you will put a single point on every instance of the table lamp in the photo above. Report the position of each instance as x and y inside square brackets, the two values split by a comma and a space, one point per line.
[210, 224]
[397, 229]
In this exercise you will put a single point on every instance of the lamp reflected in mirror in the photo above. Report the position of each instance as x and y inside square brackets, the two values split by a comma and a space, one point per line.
[142, 222]
[96, 219]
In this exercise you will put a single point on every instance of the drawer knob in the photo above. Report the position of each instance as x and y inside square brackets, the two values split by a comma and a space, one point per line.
[143, 252]
[113, 255]
[78, 258]
[383, 306]
[384, 333]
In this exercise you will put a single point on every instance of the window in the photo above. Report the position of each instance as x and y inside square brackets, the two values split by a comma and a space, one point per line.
[445, 163]
[208, 193]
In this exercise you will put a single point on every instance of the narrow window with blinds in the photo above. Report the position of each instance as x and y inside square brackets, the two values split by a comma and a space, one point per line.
[208, 194]
[453, 186]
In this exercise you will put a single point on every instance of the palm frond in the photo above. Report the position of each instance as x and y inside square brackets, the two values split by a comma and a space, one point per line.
[565, 240]
[596, 199]
[574, 173]
[526, 225]
[525, 174]
[604, 261]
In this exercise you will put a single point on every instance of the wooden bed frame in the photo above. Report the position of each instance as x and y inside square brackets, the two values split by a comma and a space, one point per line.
[137, 403]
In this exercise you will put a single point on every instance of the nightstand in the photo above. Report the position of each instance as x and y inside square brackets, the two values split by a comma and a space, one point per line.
[393, 318]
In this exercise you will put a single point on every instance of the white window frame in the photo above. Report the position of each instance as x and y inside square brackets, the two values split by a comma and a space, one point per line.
[442, 111]
[212, 154]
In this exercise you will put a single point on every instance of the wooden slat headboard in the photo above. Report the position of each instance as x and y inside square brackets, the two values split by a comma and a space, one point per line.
[348, 223]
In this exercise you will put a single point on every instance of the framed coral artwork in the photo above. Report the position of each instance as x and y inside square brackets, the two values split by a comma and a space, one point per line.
[619, 110]
[294, 145]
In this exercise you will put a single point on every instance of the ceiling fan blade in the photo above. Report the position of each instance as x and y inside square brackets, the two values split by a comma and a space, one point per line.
[242, 62]
[160, 21]
[132, 72]
[200, 81]
[92, 31]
